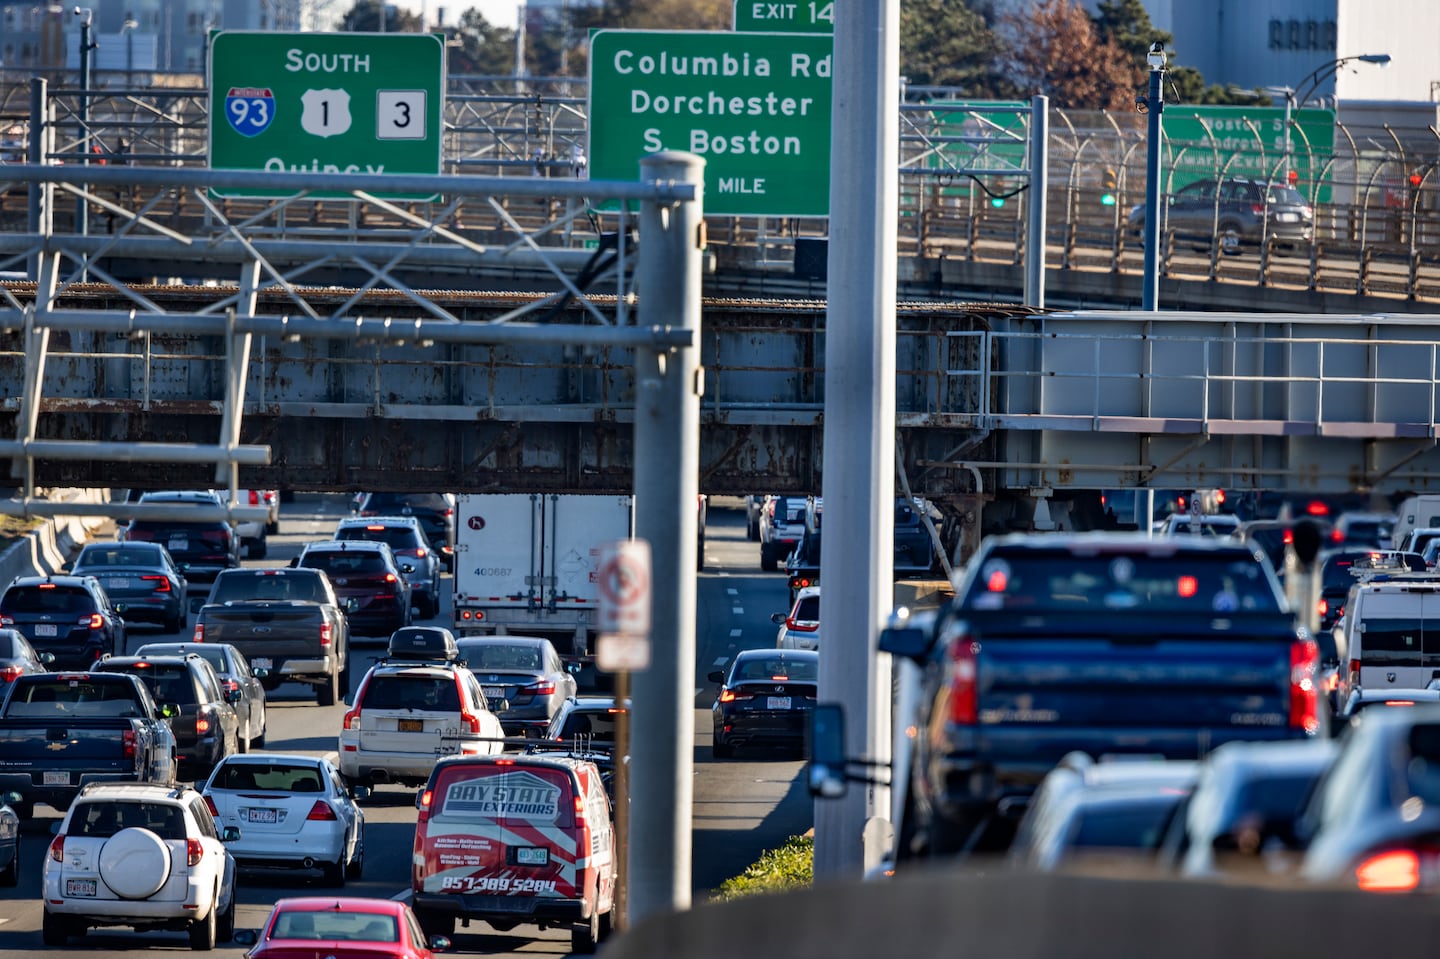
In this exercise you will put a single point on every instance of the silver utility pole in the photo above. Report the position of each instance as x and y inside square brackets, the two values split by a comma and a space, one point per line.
[1155, 106]
[667, 478]
[1039, 178]
[857, 551]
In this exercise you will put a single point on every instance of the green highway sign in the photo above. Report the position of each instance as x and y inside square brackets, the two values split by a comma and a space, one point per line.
[755, 106]
[327, 103]
[1248, 142]
[785, 16]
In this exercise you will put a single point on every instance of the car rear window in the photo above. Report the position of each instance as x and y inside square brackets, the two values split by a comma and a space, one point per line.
[47, 598]
[1062, 581]
[1285, 194]
[284, 777]
[277, 587]
[789, 509]
[532, 795]
[1396, 642]
[383, 502]
[1135, 825]
[78, 698]
[777, 667]
[168, 684]
[435, 694]
[597, 724]
[396, 537]
[104, 818]
[807, 610]
[346, 563]
[502, 656]
[330, 924]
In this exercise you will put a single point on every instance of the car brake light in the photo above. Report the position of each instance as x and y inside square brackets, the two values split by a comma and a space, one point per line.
[47, 585]
[471, 720]
[94, 621]
[391, 578]
[792, 624]
[210, 804]
[321, 811]
[375, 529]
[202, 722]
[449, 513]
[57, 848]
[543, 688]
[9, 674]
[1322, 607]
[230, 685]
[162, 583]
[199, 636]
[423, 805]
[1304, 692]
[421, 553]
[730, 695]
[325, 634]
[1257, 208]
[352, 719]
[964, 697]
[194, 852]
[1397, 870]
[127, 743]
[580, 811]
[254, 497]
[1337, 535]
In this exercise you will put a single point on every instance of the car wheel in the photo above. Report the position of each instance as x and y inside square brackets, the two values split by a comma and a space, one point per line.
[700, 554]
[259, 741]
[176, 623]
[767, 560]
[325, 692]
[272, 528]
[225, 927]
[1230, 239]
[584, 937]
[356, 865]
[722, 750]
[202, 931]
[258, 549]
[333, 873]
[242, 741]
[54, 930]
[10, 876]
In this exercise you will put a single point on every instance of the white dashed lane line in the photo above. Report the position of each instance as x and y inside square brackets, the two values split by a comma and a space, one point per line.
[738, 610]
[732, 591]
[736, 632]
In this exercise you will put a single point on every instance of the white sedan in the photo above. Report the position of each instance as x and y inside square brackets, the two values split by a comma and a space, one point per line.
[293, 811]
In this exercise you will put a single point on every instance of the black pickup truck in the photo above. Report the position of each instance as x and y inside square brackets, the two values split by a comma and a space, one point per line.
[59, 731]
[287, 621]
[1103, 643]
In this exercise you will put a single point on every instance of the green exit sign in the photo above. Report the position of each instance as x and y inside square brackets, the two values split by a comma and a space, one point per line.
[785, 16]
[755, 106]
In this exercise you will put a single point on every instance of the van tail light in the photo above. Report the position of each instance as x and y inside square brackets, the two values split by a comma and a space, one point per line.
[799, 626]
[199, 636]
[93, 621]
[161, 583]
[194, 852]
[352, 718]
[127, 743]
[1394, 870]
[580, 812]
[422, 803]
[8, 674]
[202, 722]
[1304, 688]
[321, 812]
[210, 804]
[964, 692]
[1353, 674]
[57, 847]
[542, 688]
[325, 634]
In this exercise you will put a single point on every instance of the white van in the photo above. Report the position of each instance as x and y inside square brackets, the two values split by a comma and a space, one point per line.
[1415, 511]
[1391, 636]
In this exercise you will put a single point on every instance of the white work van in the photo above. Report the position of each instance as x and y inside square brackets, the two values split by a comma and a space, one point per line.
[1416, 511]
[528, 563]
[1391, 636]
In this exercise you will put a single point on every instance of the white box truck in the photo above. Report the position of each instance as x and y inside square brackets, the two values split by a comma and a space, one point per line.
[527, 563]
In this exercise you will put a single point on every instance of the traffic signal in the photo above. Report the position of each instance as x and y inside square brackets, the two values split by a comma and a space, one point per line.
[997, 196]
[1107, 196]
[1415, 179]
[1292, 178]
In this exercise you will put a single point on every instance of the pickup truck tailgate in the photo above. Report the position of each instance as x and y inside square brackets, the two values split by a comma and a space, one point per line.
[275, 630]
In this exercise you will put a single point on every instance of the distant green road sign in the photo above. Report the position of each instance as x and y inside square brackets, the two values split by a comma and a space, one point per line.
[786, 16]
[326, 102]
[1248, 142]
[756, 106]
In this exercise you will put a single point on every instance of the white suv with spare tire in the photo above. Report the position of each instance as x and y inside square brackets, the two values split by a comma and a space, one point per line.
[141, 855]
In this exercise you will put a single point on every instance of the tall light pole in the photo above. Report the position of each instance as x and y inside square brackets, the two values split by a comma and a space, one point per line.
[82, 206]
[1154, 106]
[1308, 86]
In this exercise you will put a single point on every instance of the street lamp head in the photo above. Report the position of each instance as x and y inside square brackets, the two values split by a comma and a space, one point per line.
[1380, 58]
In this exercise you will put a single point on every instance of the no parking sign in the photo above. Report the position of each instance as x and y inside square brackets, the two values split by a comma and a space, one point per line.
[623, 617]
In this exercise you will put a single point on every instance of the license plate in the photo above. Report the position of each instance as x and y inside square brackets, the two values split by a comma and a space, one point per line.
[777, 702]
[179, 545]
[45, 629]
[1287, 217]
[80, 888]
[262, 662]
[57, 779]
[412, 725]
[264, 815]
[494, 692]
[532, 856]
[118, 583]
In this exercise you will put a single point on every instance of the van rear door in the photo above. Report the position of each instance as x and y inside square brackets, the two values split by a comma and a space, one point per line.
[1392, 637]
[505, 828]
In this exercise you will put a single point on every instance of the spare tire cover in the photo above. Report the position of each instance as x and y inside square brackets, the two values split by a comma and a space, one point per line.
[134, 863]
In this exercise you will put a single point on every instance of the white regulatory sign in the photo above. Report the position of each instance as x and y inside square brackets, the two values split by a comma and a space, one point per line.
[624, 587]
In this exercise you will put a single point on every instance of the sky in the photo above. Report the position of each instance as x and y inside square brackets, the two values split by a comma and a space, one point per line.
[502, 13]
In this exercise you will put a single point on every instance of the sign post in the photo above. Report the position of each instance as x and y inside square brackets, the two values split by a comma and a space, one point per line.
[326, 103]
[754, 106]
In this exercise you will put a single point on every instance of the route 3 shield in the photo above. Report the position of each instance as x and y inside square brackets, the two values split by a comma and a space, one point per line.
[250, 110]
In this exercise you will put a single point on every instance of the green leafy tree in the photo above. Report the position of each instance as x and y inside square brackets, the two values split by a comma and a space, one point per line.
[1126, 24]
[476, 46]
[950, 43]
[364, 17]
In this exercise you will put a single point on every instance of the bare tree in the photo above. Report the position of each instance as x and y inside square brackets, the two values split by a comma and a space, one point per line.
[1053, 48]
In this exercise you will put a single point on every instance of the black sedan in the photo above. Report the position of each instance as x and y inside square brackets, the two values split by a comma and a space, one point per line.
[765, 699]
[18, 658]
[141, 580]
[206, 728]
[241, 684]
[523, 671]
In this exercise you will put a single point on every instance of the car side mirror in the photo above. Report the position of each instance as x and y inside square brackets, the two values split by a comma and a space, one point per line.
[910, 642]
[351, 604]
[233, 696]
[11, 798]
[246, 937]
[230, 834]
[716, 676]
[439, 943]
[499, 705]
[259, 672]
[169, 710]
[359, 793]
[47, 658]
[825, 776]
[407, 568]
[778, 618]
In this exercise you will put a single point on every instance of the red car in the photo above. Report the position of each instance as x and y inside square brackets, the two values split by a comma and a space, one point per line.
[344, 927]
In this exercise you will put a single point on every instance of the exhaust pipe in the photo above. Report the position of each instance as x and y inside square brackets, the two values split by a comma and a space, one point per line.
[308, 863]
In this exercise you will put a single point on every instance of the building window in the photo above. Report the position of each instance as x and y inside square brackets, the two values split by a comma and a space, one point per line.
[1329, 31]
[1277, 35]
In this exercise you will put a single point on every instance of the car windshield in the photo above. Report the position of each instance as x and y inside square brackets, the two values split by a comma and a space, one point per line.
[1062, 581]
[104, 818]
[333, 924]
[47, 598]
[501, 656]
[248, 587]
[281, 777]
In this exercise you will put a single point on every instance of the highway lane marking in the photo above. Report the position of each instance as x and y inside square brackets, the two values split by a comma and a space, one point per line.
[732, 591]
[736, 632]
[720, 660]
[738, 610]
